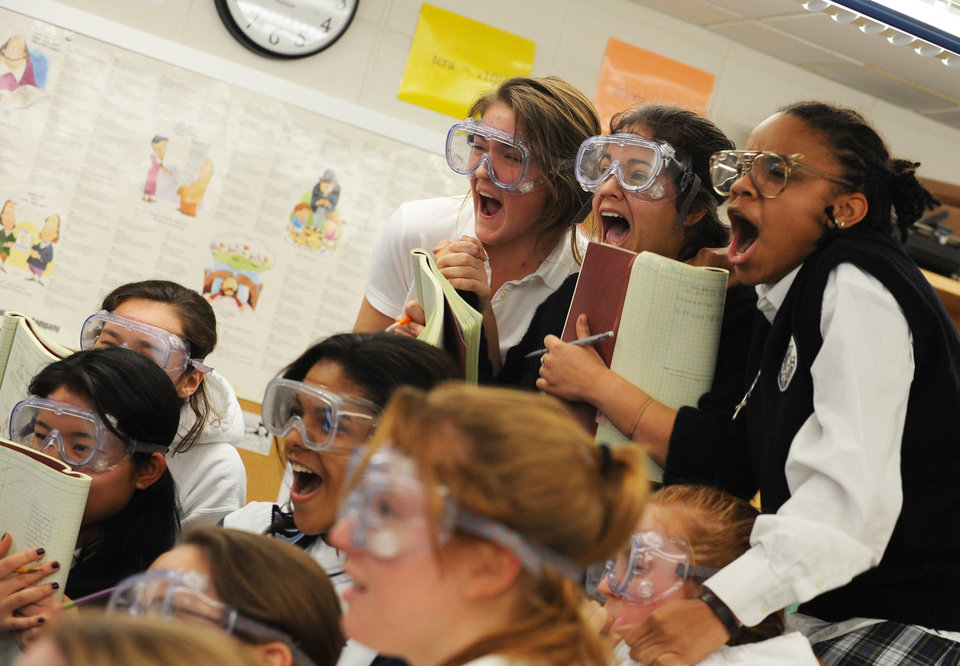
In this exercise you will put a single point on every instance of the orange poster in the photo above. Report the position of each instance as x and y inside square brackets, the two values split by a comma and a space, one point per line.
[631, 75]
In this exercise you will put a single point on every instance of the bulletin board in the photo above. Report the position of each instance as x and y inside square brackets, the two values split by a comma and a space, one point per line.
[122, 167]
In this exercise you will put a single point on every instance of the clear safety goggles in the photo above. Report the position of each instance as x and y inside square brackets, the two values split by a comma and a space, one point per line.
[654, 566]
[389, 515]
[473, 142]
[182, 595]
[79, 436]
[649, 169]
[169, 351]
[325, 421]
[769, 171]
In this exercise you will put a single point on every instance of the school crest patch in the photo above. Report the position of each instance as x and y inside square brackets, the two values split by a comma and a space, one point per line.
[789, 366]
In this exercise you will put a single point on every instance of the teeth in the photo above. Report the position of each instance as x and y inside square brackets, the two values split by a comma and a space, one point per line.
[484, 194]
[296, 467]
[607, 214]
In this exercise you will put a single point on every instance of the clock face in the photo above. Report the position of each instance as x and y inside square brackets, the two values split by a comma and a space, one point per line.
[287, 28]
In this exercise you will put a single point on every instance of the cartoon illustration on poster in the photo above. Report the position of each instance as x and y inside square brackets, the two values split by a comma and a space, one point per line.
[24, 247]
[157, 169]
[23, 73]
[315, 223]
[191, 194]
[163, 180]
[41, 252]
[234, 279]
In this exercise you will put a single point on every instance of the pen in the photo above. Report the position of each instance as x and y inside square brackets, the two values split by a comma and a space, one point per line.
[90, 597]
[398, 323]
[589, 340]
[27, 569]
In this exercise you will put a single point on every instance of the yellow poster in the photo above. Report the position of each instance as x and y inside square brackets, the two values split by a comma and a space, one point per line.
[454, 59]
[631, 75]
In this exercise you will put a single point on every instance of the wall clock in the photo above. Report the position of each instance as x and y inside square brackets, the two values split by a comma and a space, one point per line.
[287, 28]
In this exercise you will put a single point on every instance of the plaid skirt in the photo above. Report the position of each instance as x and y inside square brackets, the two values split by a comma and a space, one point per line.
[888, 644]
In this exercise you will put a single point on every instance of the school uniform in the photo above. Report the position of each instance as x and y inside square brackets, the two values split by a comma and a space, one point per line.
[424, 224]
[849, 432]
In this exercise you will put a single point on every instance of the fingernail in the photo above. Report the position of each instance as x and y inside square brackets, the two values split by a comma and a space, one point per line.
[55, 586]
[620, 621]
[40, 551]
[41, 620]
[55, 565]
[3, 537]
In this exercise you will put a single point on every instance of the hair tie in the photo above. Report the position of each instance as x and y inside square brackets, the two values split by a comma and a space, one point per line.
[606, 460]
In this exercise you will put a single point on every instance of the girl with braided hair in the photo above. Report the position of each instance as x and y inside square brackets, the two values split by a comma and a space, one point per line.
[850, 414]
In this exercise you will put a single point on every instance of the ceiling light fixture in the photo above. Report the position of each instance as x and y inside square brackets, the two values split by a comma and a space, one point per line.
[933, 29]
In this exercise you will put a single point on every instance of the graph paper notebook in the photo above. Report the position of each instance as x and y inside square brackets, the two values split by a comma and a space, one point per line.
[666, 316]
[41, 504]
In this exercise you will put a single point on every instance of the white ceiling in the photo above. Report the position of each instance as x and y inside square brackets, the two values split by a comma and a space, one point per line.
[813, 41]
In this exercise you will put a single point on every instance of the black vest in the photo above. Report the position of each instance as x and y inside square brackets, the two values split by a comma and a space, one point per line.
[918, 578]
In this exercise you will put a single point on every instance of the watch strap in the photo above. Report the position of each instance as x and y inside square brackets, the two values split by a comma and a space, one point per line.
[721, 610]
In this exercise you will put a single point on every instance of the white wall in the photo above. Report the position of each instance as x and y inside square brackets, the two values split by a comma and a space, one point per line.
[365, 67]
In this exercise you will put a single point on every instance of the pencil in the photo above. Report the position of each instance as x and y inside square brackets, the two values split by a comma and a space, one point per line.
[28, 569]
[398, 323]
[589, 340]
[90, 597]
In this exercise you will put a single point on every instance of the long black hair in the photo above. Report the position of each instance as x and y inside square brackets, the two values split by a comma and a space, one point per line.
[135, 400]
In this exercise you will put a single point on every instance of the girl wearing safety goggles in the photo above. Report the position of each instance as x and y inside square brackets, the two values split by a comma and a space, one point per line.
[512, 243]
[268, 594]
[467, 525]
[649, 178]
[176, 328]
[325, 405]
[111, 414]
[687, 533]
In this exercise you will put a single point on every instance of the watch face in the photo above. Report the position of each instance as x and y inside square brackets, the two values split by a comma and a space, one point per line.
[287, 28]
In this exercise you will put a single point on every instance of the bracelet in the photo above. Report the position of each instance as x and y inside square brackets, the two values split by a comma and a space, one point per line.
[721, 610]
[640, 412]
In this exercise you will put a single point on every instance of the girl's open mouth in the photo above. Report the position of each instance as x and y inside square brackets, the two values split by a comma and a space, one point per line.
[615, 229]
[744, 236]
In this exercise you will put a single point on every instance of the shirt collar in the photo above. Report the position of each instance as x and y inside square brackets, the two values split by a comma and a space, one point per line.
[770, 296]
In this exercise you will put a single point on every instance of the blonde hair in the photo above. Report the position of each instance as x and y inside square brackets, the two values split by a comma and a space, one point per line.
[93, 639]
[717, 527]
[520, 459]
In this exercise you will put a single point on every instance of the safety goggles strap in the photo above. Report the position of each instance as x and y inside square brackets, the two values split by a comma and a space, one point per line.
[695, 572]
[533, 556]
